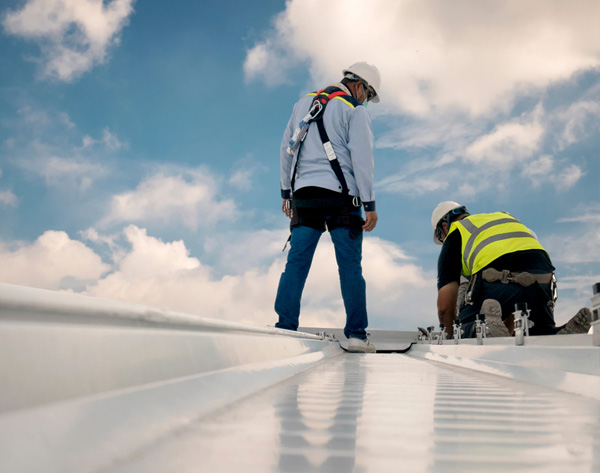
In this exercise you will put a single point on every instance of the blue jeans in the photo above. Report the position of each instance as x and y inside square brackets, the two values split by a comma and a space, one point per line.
[348, 253]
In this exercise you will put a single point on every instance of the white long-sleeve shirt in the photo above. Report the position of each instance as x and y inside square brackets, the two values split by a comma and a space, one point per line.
[348, 126]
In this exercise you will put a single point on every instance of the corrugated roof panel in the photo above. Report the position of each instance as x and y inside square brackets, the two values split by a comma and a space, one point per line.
[379, 413]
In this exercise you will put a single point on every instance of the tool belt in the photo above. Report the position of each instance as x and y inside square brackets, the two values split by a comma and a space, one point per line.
[506, 277]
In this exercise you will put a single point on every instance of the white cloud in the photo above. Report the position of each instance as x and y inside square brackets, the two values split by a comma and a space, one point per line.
[8, 198]
[239, 251]
[409, 185]
[47, 144]
[491, 160]
[580, 245]
[434, 55]
[109, 140]
[544, 170]
[49, 261]
[242, 178]
[57, 171]
[568, 177]
[576, 121]
[453, 131]
[189, 197]
[94, 236]
[164, 274]
[574, 292]
[262, 62]
[538, 169]
[74, 35]
[509, 142]
[589, 214]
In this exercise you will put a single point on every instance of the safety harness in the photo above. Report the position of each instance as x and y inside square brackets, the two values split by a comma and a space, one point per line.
[315, 114]
[345, 204]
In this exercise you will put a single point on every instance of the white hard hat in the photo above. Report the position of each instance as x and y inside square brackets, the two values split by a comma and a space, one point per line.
[370, 74]
[438, 213]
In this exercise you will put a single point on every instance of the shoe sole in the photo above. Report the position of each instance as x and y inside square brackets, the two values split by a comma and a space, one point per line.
[493, 319]
[579, 323]
[358, 350]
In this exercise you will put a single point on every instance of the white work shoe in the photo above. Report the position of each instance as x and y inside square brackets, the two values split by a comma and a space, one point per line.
[492, 311]
[358, 345]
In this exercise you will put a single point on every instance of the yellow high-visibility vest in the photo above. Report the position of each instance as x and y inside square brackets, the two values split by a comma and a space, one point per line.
[486, 237]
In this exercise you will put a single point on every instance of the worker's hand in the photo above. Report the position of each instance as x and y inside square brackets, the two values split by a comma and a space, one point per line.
[370, 221]
[286, 207]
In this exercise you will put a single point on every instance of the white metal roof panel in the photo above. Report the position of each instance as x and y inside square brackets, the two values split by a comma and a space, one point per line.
[380, 413]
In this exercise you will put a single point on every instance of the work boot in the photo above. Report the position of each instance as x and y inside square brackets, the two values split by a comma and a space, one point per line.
[579, 323]
[358, 345]
[493, 319]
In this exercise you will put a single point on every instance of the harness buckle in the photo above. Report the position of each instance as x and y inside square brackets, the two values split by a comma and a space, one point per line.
[356, 201]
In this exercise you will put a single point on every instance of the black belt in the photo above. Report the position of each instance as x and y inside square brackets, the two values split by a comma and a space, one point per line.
[348, 201]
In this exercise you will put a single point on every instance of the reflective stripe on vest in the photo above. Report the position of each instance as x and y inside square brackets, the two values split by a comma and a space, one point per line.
[486, 237]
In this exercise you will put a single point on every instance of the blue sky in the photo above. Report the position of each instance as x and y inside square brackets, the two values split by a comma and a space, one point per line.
[139, 144]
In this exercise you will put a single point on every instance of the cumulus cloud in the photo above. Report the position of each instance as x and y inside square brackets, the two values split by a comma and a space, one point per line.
[434, 55]
[231, 249]
[50, 262]
[189, 197]
[165, 274]
[74, 35]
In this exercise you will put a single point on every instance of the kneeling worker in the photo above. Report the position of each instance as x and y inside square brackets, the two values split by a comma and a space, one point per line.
[505, 265]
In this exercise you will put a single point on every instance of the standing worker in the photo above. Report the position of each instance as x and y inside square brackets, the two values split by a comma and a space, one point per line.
[505, 264]
[326, 176]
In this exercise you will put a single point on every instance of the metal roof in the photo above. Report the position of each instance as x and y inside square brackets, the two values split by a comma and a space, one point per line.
[100, 386]
[389, 412]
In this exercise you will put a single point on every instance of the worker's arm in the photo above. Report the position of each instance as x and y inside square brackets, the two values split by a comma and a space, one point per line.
[446, 304]
[360, 145]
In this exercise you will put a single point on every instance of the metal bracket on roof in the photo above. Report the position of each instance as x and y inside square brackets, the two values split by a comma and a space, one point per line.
[443, 335]
[480, 330]
[326, 336]
[457, 331]
[521, 315]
